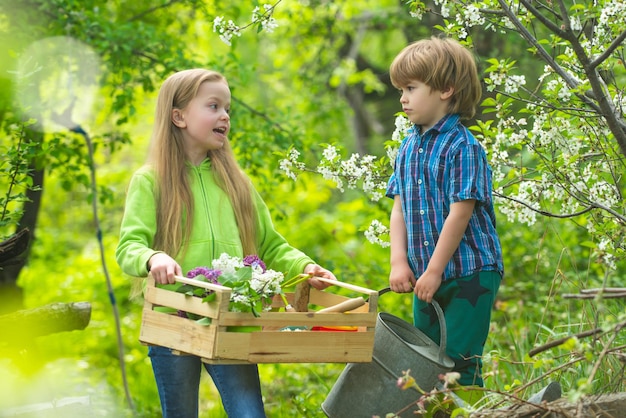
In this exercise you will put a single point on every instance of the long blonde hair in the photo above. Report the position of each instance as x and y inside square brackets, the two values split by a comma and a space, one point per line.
[174, 202]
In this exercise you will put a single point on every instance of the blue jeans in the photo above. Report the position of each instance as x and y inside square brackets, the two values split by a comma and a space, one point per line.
[178, 382]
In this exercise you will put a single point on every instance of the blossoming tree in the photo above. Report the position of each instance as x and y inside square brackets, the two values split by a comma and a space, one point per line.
[557, 143]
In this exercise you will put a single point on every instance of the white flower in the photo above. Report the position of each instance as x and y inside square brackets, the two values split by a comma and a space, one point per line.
[330, 153]
[374, 233]
[225, 31]
[227, 264]
[286, 165]
[403, 124]
[265, 17]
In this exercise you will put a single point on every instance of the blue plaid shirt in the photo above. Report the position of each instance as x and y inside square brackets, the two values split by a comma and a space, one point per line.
[444, 165]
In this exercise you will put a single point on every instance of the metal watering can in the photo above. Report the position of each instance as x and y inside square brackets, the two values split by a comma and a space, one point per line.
[367, 389]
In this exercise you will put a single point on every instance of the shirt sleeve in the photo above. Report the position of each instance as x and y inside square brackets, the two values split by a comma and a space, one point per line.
[392, 186]
[274, 249]
[469, 175]
[138, 226]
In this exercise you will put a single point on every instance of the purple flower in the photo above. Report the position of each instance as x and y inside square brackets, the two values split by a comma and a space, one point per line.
[210, 274]
[254, 261]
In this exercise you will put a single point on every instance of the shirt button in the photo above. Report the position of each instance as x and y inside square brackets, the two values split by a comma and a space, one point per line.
[420, 150]
[426, 243]
[421, 212]
[419, 181]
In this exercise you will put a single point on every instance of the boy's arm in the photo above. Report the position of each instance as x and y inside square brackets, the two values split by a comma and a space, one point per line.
[451, 234]
[401, 277]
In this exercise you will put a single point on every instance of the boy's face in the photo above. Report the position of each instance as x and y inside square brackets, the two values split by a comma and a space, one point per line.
[423, 105]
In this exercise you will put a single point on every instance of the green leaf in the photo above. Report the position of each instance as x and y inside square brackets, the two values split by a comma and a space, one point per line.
[204, 321]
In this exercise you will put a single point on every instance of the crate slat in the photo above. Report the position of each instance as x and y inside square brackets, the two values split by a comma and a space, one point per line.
[296, 346]
[182, 334]
[162, 297]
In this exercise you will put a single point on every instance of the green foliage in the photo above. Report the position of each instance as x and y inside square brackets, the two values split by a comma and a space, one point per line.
[15, 181]
[293, 88]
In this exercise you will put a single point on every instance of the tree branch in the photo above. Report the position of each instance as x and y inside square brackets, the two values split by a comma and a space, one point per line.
[588, 208]
[543, 212]
[533, 41]
[616, 43]
[540, 17]
[153, 9]
[604, 107]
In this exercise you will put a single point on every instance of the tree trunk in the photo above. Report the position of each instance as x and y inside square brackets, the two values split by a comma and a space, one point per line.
[11, 297]
[12, 252]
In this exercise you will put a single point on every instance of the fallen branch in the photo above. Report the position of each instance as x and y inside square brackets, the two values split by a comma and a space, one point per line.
[609, 405]
[606, 293]
[583, 334]
[19, 327]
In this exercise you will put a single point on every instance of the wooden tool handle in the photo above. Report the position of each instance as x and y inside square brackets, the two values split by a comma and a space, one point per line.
[346, 305]
[347, 286]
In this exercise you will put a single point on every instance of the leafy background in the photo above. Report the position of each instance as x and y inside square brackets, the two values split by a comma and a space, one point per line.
[293, 87]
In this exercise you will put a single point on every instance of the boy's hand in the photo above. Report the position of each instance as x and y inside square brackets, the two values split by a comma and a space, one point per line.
[427, 285]
[401, 278]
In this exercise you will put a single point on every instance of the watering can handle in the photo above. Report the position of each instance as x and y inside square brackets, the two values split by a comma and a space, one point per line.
[442, 325]
[444, 333]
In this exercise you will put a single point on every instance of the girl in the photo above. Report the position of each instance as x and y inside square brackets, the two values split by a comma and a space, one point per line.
[188, 205]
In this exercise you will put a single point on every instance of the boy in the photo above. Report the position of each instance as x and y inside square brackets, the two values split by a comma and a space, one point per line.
[444, 244]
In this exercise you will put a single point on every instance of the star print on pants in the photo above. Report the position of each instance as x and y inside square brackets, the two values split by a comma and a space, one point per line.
[471, 289]
[430, 311]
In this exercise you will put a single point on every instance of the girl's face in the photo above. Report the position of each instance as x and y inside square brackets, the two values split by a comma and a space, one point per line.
[205, 121]
[423, 105]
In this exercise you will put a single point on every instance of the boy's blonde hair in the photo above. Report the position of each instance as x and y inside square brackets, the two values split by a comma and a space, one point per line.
[440, 63]
[174, 201]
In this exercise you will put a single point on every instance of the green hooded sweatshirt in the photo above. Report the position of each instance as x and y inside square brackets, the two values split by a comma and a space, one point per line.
[214, 228]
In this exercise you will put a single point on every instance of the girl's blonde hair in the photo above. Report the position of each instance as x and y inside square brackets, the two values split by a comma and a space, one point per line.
[174, 202]
[440, 63]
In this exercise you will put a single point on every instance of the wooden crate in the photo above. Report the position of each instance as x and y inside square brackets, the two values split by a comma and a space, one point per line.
[219, 343]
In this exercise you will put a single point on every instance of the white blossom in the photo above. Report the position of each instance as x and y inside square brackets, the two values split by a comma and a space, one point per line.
[286, 166]
[266, 283]
[575, 24]
[330, 153]
[291, 164]
[402, 124]
[265, 17]
[418, 14]
[445, 7]
[227, 264]
[226, 31]
[513, 82]
[471, 16]
[375, 231]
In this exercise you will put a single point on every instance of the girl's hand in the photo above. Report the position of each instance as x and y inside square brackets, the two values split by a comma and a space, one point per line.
[316, 270]
[401, 278]
[427, 285]
[163, 268]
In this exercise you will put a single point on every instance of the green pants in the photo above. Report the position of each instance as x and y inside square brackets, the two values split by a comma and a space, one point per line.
[467, 303]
